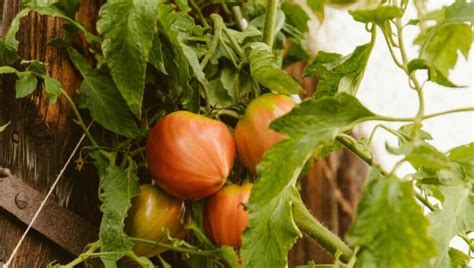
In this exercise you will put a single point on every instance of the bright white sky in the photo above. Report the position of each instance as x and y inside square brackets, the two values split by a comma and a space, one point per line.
[384, 89]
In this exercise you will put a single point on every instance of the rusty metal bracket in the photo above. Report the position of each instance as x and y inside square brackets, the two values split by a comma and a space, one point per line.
[58, 224]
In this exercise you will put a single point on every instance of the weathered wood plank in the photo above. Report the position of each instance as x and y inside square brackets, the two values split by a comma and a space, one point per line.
[41, 136]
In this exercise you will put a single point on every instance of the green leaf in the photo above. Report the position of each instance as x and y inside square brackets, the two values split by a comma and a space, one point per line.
[3, 127]
[442, 43]
[464, 155]
[25, 85]
[296, 16]
[390, 229]
[128, 28]
[8, 43]
[52, 88]
[434, 74]
[156, 55]
[317, 6]
[64, 9]
[456, 217]
[460, 10]
[458, 258]
[378, 15]
[118, 186]
[99, 94]
[310, 125]
[177, 26]
[265, 69]
[9, 70]
[337, 73]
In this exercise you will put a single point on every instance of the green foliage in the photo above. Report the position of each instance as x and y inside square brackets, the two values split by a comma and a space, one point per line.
[311, 125]
[390, 224]
[378, 15]
[455, 183]
[128, 28]
[8, 42]
[99, 94]
[117, 186]
[441, 43]
[266, 70]
[25, 85]
[337, 73]
[154, 57]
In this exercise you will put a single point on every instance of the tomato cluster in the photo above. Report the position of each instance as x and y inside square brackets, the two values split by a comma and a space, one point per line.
[190, 157]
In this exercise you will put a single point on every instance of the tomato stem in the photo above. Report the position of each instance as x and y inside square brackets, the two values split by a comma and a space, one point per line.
[319, 233]
[270, 22]
[194, 251]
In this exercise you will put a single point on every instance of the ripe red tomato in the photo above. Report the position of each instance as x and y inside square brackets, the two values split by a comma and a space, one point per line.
[224, 217]
[252, 133]
[151, 211]
[190, 155]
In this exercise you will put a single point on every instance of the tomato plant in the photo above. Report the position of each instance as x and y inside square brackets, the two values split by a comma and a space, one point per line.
[225, 218]
[153, 216]
[253, 135]
[190, 155]
[165, 84]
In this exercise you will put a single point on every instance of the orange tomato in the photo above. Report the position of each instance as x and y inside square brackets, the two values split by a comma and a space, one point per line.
[252, 133]
[190, 155]
[224, 217]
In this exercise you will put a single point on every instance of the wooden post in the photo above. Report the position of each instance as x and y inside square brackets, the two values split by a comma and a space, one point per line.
[41, 136]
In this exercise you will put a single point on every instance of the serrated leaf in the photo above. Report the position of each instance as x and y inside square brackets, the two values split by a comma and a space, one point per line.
[64, 9]
[176, 26]
[25, 85]
[434, 74]
[128, 28]
[52, 87]
[118, 186]
[8, 43]
[464, 155]
[378, 15]
[456, 217]
[390, 229]
[337, 73]
[99, 94]
[310, 125]
[460, 10]
[266, 70]
[443, 43]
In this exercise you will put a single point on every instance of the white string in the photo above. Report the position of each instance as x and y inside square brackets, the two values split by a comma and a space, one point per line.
[43, 203]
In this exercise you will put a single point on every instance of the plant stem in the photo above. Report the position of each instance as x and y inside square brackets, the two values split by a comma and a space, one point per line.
[238, 17]
[351, 146]
[199, 252]
[78, 117]
[83, 256]
[270, 22]
[199, 13]
[424, 201]
[218, 25]
[467, 109]
[314, 229]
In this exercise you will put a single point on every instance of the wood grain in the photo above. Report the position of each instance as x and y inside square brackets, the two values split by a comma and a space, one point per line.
[41, 136]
